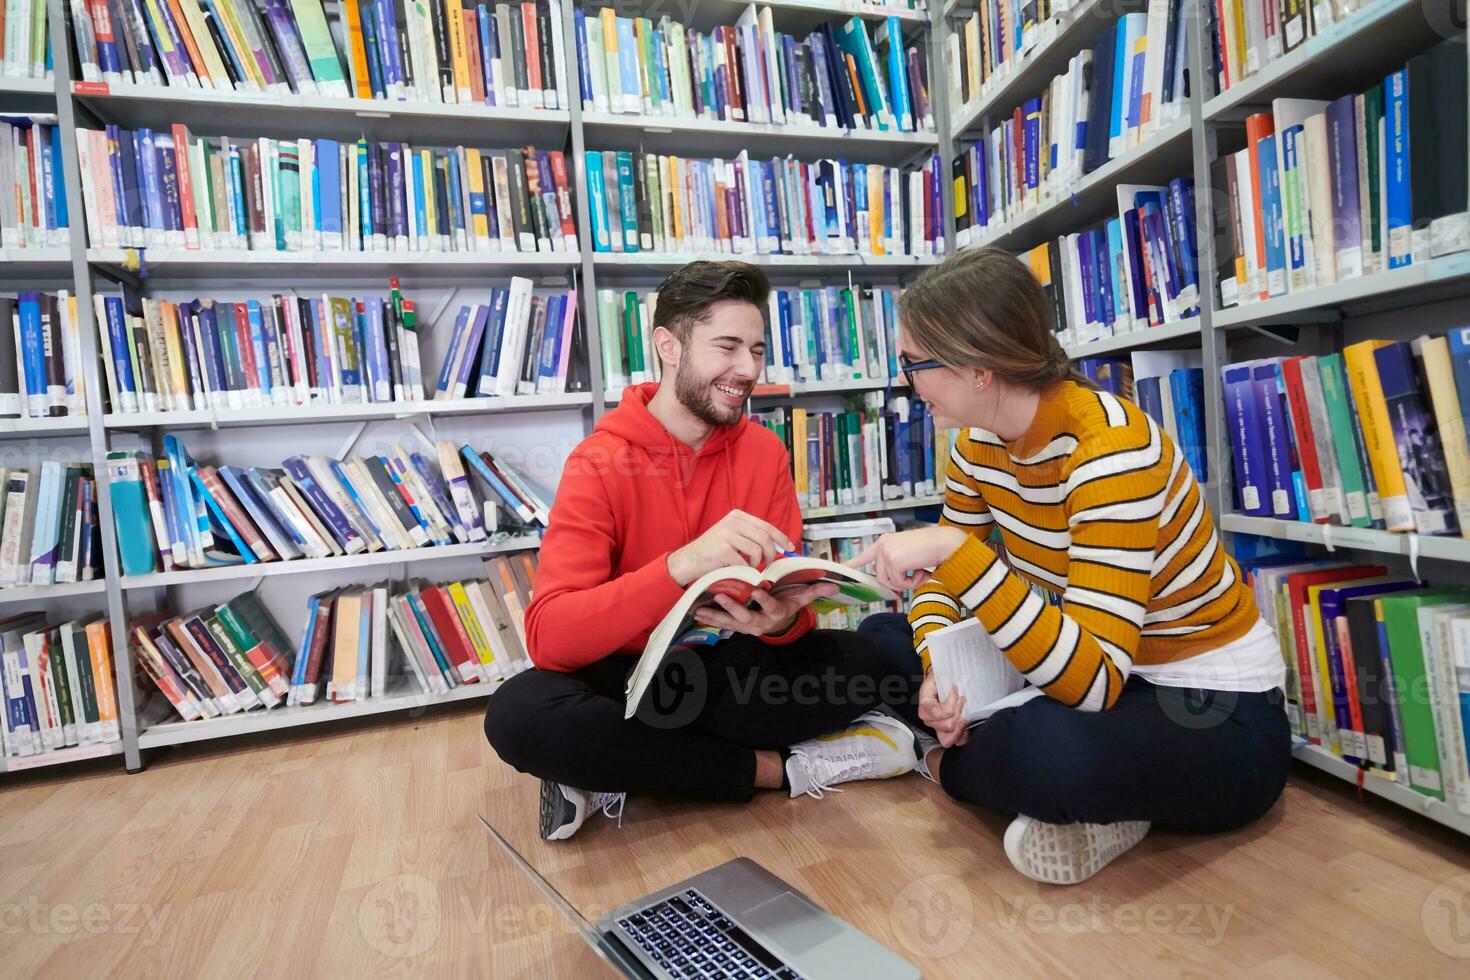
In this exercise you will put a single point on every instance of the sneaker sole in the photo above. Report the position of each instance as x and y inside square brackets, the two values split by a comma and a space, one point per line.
[557, 813]
[1065, 854]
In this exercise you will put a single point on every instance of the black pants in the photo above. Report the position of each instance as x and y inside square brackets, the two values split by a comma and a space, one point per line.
[1185, 759]
[706, 714]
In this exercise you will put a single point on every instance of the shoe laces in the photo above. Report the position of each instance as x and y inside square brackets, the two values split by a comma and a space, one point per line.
[826, 769]
[611, 805]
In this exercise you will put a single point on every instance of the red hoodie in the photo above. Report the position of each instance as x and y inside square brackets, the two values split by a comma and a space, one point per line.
[630, 494]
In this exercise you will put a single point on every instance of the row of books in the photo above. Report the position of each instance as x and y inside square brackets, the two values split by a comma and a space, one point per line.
[506, 54]
[642, 202]
[1169, 386]
[169, 188]
[41, 373]
[1247, 35]
[1109, 100]
[516, 344]
[1325, 191]
[1373, 436]
[842, 541]
[828, 334]
[986, 48]
[1375, 670]
[33, 211]
[57, 684]
[890, 450]
[27, 39]
[1132, 272]
[173, 512]
[837, 77]
[49, 530]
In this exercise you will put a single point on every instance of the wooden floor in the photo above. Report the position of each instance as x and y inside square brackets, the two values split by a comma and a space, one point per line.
[357, 852]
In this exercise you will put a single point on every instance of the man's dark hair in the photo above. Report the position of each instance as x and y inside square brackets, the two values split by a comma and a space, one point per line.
[686, 296]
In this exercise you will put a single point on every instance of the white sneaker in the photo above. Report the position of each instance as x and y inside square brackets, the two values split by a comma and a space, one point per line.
[564, 808]
[875, 746]
[1064, 854]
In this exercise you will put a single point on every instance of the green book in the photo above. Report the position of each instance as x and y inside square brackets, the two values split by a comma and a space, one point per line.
[1399, 616]
[61, 682]
[1334, 397]
[288, 199]
[653, 186]
[648, 62]
[239, 661]
[66, 543]
[1372, 120]
[843, 474]
[74, 641]
[854, 344]
[633, 334]
[316, 38]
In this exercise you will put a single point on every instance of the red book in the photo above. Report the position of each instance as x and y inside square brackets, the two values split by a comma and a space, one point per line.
[235, 514]
[472, 54]
[1306, 439]
[186, 184]
[321, 630]
[564, 196]
[1257, 127]
[155, 510]
[734, 81]
[533, 48]
[247, 349]
[452, 632]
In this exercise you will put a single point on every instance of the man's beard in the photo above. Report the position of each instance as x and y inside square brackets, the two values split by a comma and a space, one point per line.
[694, 394]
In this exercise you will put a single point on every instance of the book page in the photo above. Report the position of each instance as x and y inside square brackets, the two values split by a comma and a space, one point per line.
[963, 656]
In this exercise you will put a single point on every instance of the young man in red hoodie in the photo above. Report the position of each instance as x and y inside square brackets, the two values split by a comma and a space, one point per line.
[672, 484]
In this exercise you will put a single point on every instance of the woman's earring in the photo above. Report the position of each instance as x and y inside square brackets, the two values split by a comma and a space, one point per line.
[980, 386]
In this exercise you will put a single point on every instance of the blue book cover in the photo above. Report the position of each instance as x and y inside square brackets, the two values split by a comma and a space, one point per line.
[490, 349]
[483, 15]
[211, 361]
[1135, 90]
[898, 77]
[1087, 273]
[238, 484]
[598, 202]
[303, 649]
[1147, 392]
[794, 102]
[1280, 493]
[223, 522]
[584, 60]
[115, 169]
[1154, 229]
[53, 184]
[46, 534]
[194, 516]
[261, 492]
[1187, 387]
[152, 185]
[1342, 149]
[359, 509]
[379, 377]
[1181, 219]
[1122, 286]
[372, 49]
[33, 351]
[137, 549]
[1399, 205]
[1140, 294]
[331, 515]
[257, 344]
[456, 342]
[122, 364]
[551, 338]
[1118, 93]
[473, 338]
[1271, 216]
[1030, 143]
[508, 497]
[628, 200]
[1102, 259]
[1243, 418]
[131, 208]
[628, 51]
[1416, 436]
[767, 187]
[188, 314]
[173, 215]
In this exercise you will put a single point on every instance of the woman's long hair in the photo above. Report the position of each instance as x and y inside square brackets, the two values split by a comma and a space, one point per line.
[984, 309]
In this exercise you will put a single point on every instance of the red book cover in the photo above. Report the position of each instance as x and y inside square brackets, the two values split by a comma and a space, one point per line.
[1220, 16]
[1296, 597]
[564, 194]
[235, 514]
[533, 46]
[246, 347]
[1018, 154]
[734, 81]
[186, 182]
[1306, 439]
[1257, 127]
[1349, 675]
[472, 53]
[321, 630]
[451, 632]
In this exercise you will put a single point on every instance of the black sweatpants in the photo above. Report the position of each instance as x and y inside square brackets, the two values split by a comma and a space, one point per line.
[1183, 758]
[704, 718]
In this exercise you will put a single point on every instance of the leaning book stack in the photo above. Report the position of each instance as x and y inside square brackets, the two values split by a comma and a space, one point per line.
[506, 54]
[645, 202]
[171, 189]
[517, 343]
[33, 212]
[175, 513]
[838, 76]
[56, 682]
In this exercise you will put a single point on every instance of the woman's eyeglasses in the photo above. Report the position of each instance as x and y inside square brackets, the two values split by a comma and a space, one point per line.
[909, 366]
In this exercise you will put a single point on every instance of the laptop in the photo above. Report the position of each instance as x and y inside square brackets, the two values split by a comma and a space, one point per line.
[734, 922]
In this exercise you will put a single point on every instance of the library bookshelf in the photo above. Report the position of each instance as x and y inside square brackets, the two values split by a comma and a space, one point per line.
[83, 268]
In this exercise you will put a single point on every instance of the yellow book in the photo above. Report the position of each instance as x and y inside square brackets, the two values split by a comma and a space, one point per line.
[1393, 496]
[972, 54]
[675, 184]
[213, 65]
[1237, 18]
[454, 13]
[430, 213]
[481, 218]
[1321, 672]
[469, 618]
[875, 209]
[236, 32]
[611, 58]
[357, 56]
[178, 373]
[798, 452]
[346, 625]
[1444, 397]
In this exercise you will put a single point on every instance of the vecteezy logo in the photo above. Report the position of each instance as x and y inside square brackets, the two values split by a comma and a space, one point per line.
[933, 915]
[1445, 917]
[679, 692]
[399, 916]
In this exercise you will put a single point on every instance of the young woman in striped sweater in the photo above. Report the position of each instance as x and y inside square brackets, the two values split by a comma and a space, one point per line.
[1160, 684]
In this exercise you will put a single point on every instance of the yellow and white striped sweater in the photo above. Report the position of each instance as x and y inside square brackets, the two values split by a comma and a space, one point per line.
[1094, 502]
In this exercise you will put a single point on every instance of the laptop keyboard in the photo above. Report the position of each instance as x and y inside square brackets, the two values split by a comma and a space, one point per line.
[689, 937]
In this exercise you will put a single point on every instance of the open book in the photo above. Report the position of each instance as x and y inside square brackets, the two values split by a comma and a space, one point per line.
[964, 656]
[854, 587]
